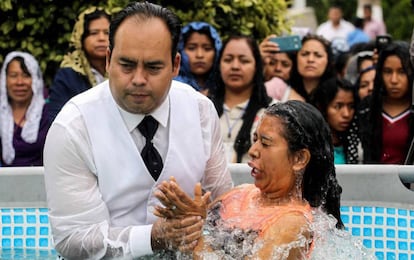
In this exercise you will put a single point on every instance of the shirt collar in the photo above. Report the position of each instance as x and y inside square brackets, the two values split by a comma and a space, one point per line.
[161, 114]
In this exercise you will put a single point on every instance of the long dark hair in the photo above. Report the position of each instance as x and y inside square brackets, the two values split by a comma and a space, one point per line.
[297, 79]
[372, 127]
[259, 98]
[305, 128]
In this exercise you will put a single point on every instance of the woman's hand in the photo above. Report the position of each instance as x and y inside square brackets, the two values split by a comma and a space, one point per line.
[267, 47]
[177, 203]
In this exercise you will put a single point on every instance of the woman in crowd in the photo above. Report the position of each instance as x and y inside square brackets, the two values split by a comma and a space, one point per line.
[24, 119]
[277, 70]
[271, 218]
[315, 64]
[240, 95]
[387, 125]
[84, 66]
[337, 100]
[199, 47]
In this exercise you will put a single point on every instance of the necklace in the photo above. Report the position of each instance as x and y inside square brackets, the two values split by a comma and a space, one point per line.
[231, 126]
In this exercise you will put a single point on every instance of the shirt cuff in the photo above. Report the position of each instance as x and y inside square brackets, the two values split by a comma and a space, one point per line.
[140, 240]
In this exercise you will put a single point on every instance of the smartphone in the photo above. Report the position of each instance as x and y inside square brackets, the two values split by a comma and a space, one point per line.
[288, 43]
[381, 41]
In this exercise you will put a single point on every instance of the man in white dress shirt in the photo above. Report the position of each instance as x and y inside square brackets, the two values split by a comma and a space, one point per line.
[99, 190]
[335, 27]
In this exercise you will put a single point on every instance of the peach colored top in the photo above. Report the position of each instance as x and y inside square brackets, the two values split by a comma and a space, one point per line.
[240, 209]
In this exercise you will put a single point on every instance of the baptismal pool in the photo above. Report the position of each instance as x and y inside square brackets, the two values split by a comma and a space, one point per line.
[376, 208]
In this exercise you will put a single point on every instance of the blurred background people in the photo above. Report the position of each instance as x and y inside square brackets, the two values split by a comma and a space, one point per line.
[387, 125]
[357, 35]
[372, 27]
[199, 47]
[240, 95]
[337, 100]
[315, 64]
[23, 113]
[84, 66]
[336, 26]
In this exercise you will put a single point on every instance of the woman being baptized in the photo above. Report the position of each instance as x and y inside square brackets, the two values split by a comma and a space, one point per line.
[293, 170]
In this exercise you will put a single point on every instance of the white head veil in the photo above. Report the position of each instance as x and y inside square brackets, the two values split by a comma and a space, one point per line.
[34, 112]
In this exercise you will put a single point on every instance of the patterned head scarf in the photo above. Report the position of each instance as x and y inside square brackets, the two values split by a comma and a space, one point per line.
[77, 59]
[34, 111]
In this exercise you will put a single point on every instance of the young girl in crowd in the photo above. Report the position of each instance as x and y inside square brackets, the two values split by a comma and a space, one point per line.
[199, 47]
[314, 65]
[387, 122]
[23, 113]
[337, 99]
[84, 67]
[240, 95]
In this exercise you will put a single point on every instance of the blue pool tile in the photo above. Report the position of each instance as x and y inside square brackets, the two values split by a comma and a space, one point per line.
[368, 209]
[345, 219]
[402, 256]
[18, 242]
[31, 209]
[379, 244]
[30, 242]
[412, 235]
[356, 231]
[5, 219]
[18, 231]
[44, 242]
[390, 221]
[402, 222]
[391, 244]
[43, 210]
[379, 220]
[6, 242]
[356, 209]
[402, 212]
[378, 232]
[5, 210]
[412, 223]
[44, 231]
[31, 219]
[17, 209]
[390, 233]
[6, 231]
[402, 234]
[402, 245]
[44, 219]
[344, 209]
[367, 220]
[412, 246]
[379, 210]
[31, 231]
[356, 219]
[367, 232]
[390, 255]
[367, 243]
[391, 211]
[18, 219]
[412, 213]
[379, 255]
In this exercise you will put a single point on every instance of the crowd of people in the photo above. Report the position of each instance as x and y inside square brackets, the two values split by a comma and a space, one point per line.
[186, 107]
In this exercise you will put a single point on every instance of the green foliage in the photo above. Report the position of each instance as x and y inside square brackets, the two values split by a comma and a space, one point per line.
[43, 27]
[400, 26]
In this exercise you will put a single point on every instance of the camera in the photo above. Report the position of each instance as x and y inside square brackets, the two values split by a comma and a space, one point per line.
[382, 41]
[288, 43]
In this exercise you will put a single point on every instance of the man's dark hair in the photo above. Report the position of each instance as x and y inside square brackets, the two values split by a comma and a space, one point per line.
[145, 11]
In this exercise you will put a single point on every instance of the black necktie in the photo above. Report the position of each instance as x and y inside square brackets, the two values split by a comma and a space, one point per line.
[152, 158]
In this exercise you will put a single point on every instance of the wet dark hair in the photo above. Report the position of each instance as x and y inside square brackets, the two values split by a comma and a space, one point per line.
[372, 130]
[98, 13]
[259, 98]
[22, 65]
[297, 79]
[145, 11]
[305, 128]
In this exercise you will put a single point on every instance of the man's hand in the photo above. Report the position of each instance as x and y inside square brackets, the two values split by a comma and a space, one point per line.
[178, 204]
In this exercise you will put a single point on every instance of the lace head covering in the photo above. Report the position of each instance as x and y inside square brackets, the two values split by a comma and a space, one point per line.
[77, 59]
[34, 111]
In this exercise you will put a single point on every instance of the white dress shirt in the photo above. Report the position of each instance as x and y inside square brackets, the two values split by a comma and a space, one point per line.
[89, 217]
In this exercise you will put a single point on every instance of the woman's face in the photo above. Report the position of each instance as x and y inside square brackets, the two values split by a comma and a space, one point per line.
[237, 65]
[278, 65]
[341, 110]
[312, 60]
[395, 78]
[96, 43]
[19, 83]
[272, 165]
[366, 84]
[200, 51]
